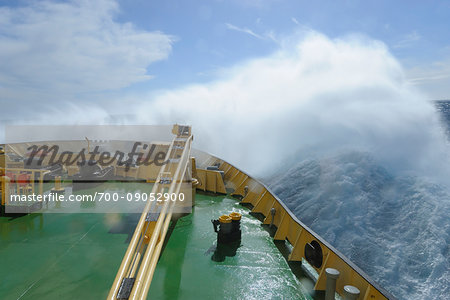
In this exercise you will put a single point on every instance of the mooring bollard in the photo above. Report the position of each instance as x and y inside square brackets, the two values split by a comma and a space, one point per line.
[351, 293]
[332, 276]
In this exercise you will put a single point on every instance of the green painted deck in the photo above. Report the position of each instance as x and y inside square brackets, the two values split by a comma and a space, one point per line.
[68, 256]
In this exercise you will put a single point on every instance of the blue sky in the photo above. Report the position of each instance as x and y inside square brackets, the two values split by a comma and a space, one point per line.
[57, 53]
[208, 34]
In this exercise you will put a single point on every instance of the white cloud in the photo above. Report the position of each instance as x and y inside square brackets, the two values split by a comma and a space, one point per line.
[267, 36]
[59, 48]
[295, 21]
[408, 40]
[433, 78]
[244, 30]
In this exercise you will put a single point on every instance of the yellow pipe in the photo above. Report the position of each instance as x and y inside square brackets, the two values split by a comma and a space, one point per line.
[131, 248]
[133, 243]
[135, 292]
[136, 258]
[128, 255]
[154, 261]
[148, 252]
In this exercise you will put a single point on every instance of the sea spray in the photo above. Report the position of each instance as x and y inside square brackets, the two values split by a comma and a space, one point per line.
[396, 228]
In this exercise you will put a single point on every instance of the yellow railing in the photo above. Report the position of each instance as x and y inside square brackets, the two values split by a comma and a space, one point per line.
[6, 181]
[139, 263]
[288, 227]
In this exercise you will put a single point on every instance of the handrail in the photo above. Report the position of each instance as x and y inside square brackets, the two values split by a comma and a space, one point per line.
[130, 253]
[41, 172]
[139, 258]
[152, 254]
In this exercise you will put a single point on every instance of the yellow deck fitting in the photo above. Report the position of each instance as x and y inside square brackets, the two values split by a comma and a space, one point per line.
[235, 216]
[225, 219]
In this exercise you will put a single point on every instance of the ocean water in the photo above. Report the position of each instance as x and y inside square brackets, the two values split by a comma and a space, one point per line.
[444, 109]
[395, 227]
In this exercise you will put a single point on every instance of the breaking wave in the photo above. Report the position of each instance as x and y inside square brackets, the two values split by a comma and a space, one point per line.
[396, 228]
